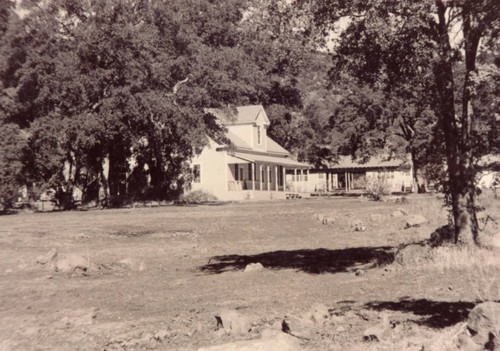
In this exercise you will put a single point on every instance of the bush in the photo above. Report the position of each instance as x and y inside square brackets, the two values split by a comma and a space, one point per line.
[11, 144]
[196, 197]
[377, 188]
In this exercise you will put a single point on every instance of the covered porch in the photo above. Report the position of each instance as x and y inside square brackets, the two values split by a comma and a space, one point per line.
[261, 177]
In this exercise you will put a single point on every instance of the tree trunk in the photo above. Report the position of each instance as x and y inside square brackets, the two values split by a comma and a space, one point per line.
[460, 181]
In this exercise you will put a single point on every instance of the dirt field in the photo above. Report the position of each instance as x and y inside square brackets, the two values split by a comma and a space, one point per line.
[156, 277]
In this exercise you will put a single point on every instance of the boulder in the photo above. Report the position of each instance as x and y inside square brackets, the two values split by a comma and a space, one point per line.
[318, 314]
[72, 263]
[48, 258]
[483, 324]
[442, 235]
[253, 267]
[299, 327]
[270, 341]
[233, 322]
[328, 220]
[413, 254]
[397, 214]
[415, 221]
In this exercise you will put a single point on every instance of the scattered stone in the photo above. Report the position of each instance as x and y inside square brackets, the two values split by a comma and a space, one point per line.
[415, 221]
[48, 258]
[376, 217]
[376, 332]
[403, 211]
[132, 264]
[413, 254]
[483, 324]
[299, 327]
[72, 263]
[360, 272]
[402, 200]
[442, 235]
[318, 314]
[270, 340]
[234, 323]
[162, 335]
[359, 228]
[397, 214]
[254, 267]
[328, 220]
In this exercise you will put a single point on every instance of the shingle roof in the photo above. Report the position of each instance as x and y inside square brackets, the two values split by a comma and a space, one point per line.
[380, 161]
[244, 114]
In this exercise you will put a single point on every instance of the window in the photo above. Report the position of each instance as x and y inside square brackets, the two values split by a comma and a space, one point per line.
[305, 177]
[280, 175]
[249, 171]
[197, 173]
[258, 135]
[236, 172]
[262, 179]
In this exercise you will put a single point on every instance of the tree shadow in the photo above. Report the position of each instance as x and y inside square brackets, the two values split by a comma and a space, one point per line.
[435, 314]
[315, 261]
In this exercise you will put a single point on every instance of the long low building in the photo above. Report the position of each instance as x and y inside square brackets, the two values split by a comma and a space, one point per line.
[349, 175]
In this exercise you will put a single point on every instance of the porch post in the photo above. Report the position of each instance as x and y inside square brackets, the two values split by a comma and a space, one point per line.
[276, 176]
[261, 177]
[284, 178]
[295, 179]
[253, 176]
[268, 168]
[301, 180]
[346, 179]
[307, 183]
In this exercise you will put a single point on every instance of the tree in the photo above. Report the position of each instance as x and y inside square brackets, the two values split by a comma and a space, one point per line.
[11, 145]
[434, 22]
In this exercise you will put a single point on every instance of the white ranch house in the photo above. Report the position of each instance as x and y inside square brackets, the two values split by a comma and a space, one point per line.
[252, 166]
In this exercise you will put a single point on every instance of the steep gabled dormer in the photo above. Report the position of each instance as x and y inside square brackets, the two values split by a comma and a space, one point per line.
[249, 126]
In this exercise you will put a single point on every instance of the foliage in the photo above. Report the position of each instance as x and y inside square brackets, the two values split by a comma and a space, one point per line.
[11, 144]
[196, 197]
[377, 188]
[404, 50]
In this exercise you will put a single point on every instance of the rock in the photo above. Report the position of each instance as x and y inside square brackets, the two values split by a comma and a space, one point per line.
[359, 272]
[403, 211]
[377, 332]
[376, 217]
[444, 234]
[299, 327]
[72, 263]
[234, 323]
[413, 254]
[415, 221]
[254, 267]
[318, 314]
[359, 228]
[49, 257]
[132, 264]
[397, 214]
[162, 335]
[328, 220]
[483, 324]
[270, 341]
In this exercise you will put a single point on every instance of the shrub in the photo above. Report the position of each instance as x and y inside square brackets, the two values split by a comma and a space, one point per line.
[196, 197]
[377, 188]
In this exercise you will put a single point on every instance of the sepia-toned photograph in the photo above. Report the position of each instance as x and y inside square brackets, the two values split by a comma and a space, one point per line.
[249, 175]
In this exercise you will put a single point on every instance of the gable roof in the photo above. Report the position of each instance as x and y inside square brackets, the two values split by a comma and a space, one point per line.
[244, 115]
[375, 162]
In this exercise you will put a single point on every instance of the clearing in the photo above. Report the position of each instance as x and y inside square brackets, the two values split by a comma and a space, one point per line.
[156, 277]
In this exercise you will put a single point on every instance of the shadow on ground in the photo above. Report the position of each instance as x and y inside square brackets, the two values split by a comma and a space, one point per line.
[435, 314]
[310, 261]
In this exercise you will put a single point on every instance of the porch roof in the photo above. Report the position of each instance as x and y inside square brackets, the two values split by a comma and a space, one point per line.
[281, 161]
